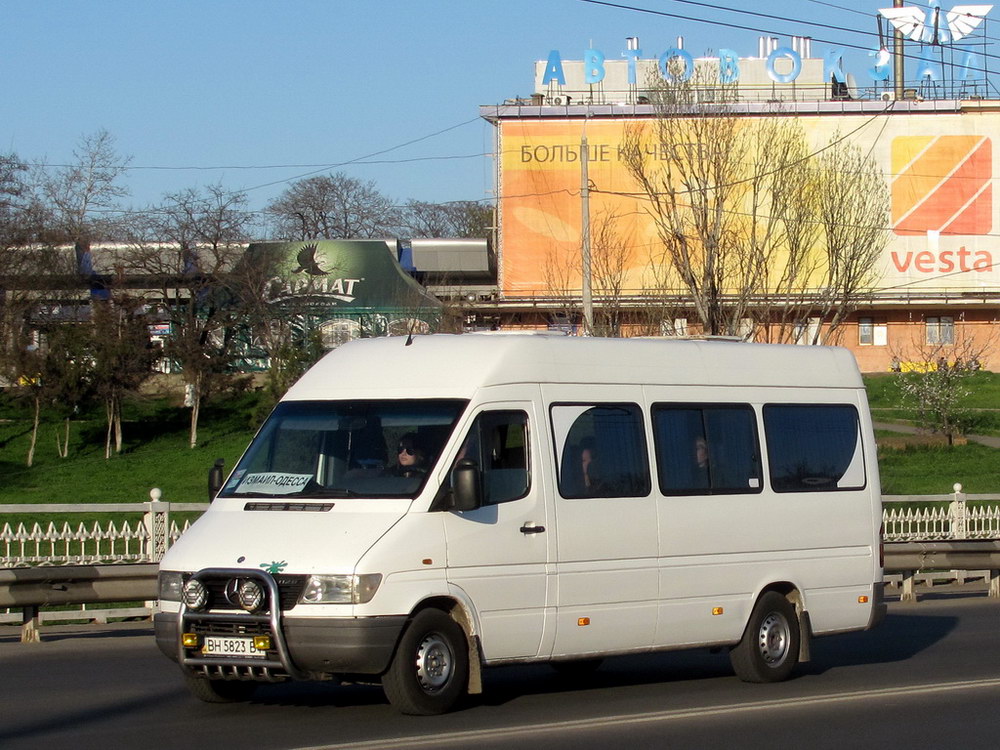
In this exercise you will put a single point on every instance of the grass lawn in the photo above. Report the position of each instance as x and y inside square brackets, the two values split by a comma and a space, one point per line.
[933, 470]
[156, 455]
[157, 452]
[981, 406]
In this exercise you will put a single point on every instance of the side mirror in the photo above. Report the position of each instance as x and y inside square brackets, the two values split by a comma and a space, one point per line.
[466, 486]
[215, 479]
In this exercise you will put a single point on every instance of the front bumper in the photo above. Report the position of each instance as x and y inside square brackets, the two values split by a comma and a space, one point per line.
[316, 647]
[302, 648]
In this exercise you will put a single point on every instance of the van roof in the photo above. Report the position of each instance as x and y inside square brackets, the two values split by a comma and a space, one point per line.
[455, 366]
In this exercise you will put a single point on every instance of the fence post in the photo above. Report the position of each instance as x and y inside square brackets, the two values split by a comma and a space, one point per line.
[957, 514]
[157, 521]
[29, 625]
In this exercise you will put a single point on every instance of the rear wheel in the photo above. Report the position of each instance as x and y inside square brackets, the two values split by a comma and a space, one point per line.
[769, 649]
[219, 691]
[430, 669]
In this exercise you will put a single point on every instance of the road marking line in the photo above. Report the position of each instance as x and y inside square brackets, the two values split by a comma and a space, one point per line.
[461, 738]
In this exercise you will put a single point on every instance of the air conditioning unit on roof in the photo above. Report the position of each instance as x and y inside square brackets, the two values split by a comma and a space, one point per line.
[888, 96]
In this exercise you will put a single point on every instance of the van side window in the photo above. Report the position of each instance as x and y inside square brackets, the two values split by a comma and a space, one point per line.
[498, 443]
[600, 450]
[814, 447]
[706, 449]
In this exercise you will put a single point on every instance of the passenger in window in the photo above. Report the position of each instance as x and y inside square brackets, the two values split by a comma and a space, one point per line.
[700, 478]
[591, 484]
[411, 459]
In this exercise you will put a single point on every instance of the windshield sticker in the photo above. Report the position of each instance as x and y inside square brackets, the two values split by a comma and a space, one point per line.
[274, 483]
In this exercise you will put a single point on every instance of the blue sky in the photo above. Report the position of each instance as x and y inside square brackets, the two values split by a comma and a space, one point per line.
[304, 86]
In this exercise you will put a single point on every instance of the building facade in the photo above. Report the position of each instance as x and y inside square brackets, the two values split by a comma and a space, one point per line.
[936, 283]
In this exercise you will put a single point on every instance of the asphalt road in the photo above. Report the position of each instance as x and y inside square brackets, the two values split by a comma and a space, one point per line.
[929, 677]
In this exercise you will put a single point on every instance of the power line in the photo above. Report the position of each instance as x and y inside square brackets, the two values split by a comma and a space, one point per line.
[744, 27]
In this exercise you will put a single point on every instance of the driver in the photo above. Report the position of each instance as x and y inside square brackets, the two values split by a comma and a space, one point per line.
[411, 459]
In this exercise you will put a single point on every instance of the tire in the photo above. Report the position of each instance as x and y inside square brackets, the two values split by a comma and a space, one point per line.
[220, 691]
[430, 670]
[769, 649]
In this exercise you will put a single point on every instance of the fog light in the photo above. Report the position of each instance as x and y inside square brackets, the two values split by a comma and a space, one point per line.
[190, 640]
[262, 642]
[249, 594]
[195, 594]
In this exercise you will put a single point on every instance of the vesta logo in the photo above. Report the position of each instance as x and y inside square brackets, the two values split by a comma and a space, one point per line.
[942, 184]
[946, 261]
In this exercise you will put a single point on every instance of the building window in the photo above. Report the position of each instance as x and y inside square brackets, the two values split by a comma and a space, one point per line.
[871, 333]
[866, 331]
[338, 331]
[675, 327]
[940, 330]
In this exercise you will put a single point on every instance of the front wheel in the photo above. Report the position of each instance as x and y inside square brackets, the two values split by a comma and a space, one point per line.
[430, 669]
[769, 648]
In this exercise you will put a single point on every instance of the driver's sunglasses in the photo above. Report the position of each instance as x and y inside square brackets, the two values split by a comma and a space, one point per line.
[404, 449]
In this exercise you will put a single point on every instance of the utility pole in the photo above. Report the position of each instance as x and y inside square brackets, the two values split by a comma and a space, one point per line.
[588, 303]
[898, 68]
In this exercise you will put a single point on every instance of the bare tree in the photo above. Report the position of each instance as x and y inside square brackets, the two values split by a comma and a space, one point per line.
[757, 228]
[81, 195]
[455, 219]
[333, 206]
[853, 200]
[274, 325]
[193, 240]
[122, 358]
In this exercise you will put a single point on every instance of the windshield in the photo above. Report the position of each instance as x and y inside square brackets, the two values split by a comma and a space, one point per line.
[330, 449]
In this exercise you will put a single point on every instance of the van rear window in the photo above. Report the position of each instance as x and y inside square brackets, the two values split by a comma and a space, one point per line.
[814, 447]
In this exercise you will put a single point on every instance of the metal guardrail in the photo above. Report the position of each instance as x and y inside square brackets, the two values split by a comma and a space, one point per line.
[911, 558]
[32, 588]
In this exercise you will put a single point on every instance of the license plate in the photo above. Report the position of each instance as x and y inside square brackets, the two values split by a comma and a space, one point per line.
[225, 646]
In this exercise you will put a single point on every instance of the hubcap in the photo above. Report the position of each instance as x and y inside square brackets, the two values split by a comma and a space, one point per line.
[773, 639]
[435, 662]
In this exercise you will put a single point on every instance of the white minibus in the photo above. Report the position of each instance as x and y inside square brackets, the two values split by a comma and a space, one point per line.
[416, 509]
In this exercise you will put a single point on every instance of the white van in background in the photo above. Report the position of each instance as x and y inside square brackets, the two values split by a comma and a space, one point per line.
[417, 509]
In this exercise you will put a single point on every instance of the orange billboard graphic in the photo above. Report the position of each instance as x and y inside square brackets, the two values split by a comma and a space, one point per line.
[941, 214]
[942, 184]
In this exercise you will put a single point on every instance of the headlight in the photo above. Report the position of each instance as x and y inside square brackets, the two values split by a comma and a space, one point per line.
[170, 585]
[195, 594]
[346, 589]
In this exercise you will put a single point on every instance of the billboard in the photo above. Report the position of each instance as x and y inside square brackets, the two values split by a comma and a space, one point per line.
[343, 288]
[939, 168]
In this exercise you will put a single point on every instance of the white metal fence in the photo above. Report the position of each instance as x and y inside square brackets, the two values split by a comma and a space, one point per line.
[924, 518]
[143, 538]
